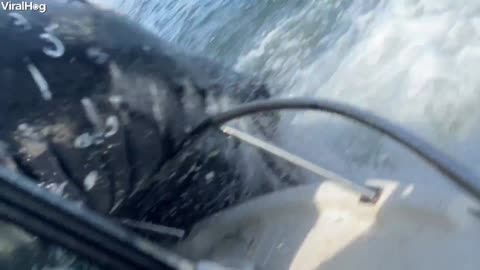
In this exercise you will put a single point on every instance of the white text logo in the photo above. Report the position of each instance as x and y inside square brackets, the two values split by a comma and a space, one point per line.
[23, 6]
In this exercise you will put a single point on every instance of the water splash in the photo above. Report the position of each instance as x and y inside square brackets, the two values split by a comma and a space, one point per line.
[412, 61]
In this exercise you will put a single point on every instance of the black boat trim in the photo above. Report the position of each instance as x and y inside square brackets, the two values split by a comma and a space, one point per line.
[78, 229]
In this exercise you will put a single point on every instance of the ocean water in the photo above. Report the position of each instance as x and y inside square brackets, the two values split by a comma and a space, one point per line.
[414, 62]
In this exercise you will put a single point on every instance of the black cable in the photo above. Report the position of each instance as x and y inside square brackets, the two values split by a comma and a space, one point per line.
[449, 167]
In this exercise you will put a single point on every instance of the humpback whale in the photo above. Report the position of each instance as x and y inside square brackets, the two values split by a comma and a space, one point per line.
[93, 106]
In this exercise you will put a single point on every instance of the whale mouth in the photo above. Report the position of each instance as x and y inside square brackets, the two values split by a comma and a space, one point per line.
[33, 208]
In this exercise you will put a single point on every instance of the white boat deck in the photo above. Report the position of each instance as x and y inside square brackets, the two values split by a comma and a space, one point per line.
[325, 226]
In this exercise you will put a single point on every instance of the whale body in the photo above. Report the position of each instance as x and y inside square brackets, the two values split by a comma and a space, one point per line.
[92, 107]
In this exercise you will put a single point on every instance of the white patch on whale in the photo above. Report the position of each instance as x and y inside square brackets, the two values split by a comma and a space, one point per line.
[20, 20]
[112, 126]
[51, 27]
[90, 180]
[83, 141]
[23, 127]
[191, 100]
[156, 107]
[116, 101]
[149, 95]
[97, 55]
[40, 81]
[209, 177]
[58, 47]
[92, 114]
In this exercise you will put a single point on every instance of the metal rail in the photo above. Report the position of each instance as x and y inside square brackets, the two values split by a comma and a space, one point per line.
[366, 192]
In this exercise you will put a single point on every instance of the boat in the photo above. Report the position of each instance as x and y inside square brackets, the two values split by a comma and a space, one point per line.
[332, 224]
[327, 226]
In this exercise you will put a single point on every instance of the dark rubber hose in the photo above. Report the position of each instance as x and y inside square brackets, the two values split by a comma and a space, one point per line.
[449, 167]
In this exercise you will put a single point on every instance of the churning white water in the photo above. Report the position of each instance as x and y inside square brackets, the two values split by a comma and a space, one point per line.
[415, 62]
